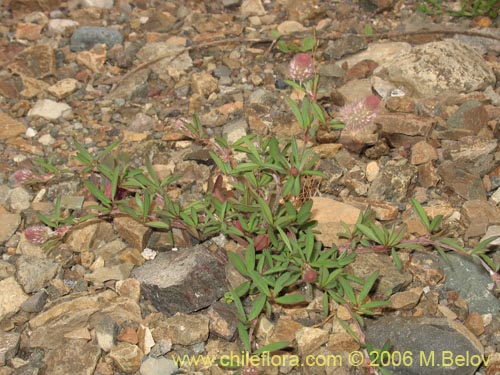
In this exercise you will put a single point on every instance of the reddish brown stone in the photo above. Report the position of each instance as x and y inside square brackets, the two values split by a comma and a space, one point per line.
[36, 62]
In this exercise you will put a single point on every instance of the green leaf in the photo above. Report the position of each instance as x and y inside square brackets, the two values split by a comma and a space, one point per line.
[257, 306]
[260, 282]
[224, 167]
[250, 257]
[83, 155]
[114, 181]
[158, 224]
[348, 291]
[368, 232]
[266, 211]
[245, 339]
[368, 30]
[290, 299]
[397, 259]
[296, 111]
[238, 263]
[307, 44]
[97, 193]
[367, 286]
[349, 330]
[421, 213]
[272, 347]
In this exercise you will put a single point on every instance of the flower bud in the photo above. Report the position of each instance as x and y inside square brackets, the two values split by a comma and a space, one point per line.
[21, 176]
[37, 234]
[301, 67]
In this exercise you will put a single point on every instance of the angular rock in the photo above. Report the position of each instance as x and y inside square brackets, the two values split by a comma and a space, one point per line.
[223, 320]
[133, 232]
[77, 357]
[422, 152]
[86, 37]
[401, 129]
[392, 183]
[6, 269]
[107, 4]
[427, 175]
[474, 153]
[471, 281]
[36, 302]
[309, 339]
[328, 224]
[492, 231]
[10, 127]
[427, 338]
[9, 344]
[19, 199]
[49, 109]
[383, 211]
[468, 185]
[252, 8]
[421, 69]
[203, 84]
[182, 281]
[471, 116]
[118, 272]
[34, 273]
[346, 45]
[11, 298]
[182, 329]
[129, 288]
[390, 278]
[406, 300]
[8, 226]
[63, 88]
[36, 62]
[59, 26]
[127, 357]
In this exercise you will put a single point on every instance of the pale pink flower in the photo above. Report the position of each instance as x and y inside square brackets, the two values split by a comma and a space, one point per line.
[301, 67]
[358, 115]
[37, 234]
[21, 176]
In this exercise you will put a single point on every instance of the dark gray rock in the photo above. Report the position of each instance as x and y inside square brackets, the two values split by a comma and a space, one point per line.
[433, 346]
[473, 153]
[471, 281]
[106, 330]
[85, 37]
[471, 116]
[182, 281]
[346, 45]
[36, 302]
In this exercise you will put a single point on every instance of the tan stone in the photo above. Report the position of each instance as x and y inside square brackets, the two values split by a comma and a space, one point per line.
[28, 31]
[11, 297]
[406, 300]
[10, 127]
[63, 88]
[310, 339]
[133, 232]
[127, 357]
[475, 324]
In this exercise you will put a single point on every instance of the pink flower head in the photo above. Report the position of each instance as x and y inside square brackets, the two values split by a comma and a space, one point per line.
[37, 234]
[21, 176]
[358, 115]
[61, 231]
[301, 67]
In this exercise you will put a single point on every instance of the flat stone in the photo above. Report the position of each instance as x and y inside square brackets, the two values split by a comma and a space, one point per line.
[381, 53]
[309, 339]
[128, 334]
[106, 4]
[471, 281]
[8, 226]
[11, 298]
[390, 278]
[117, 272]
[289, 27]
[34, 273]
[182, 281]
[328, 224]
[492, 231]
[129, 288]
[90, 236]
[406, 300]
[127, 357]
[405, 124]
[471, 116]
[77, 357]
[28, 31]
[6, 269]
[421, 69]
[203, 84]
[63, 88]
[36, 62]
[383, 211]
[133, 232]
[426, 338]
[346, 45]
[427, 175]
[9, 344]
[467, 185]
[285, 329]
[59, 26]
[10, 127]
[86, 37]
[49, 109]
[182, 329]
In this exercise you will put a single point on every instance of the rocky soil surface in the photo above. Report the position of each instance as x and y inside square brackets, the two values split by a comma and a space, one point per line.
[97, 71]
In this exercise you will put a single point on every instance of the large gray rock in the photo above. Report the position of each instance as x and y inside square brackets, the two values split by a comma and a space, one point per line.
[182, 281]
[471, 281]
[85, 37]
[433, 68]
[433, 346]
